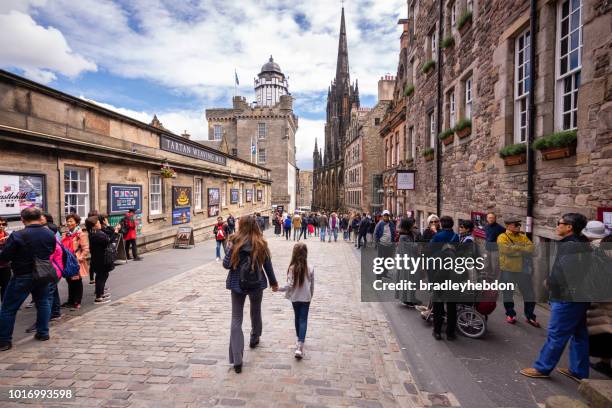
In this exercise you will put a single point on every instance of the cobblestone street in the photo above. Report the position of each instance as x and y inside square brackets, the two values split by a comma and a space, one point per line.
[166, 346]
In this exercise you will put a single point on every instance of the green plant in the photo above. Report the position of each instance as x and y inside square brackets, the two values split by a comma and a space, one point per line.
[166, 171]
[462, 124]
[447, 42]
[512, 150]
[556, 140]
[428, 152]
[427, 66]
[447, 133]
[409, 90]
[465, 17]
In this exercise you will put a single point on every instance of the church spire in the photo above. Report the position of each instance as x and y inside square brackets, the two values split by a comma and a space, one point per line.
[342, 68]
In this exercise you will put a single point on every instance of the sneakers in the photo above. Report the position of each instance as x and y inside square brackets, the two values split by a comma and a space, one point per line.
[41, 337]
[91, 282]
[101, 300]
[5, 345]
[76, 306]
[254, 342]
[106, 295]
[218, 259]
[533, 322]
[66, 304]
[533, 373]
[510, 319]
[55, 318]
[299, 350]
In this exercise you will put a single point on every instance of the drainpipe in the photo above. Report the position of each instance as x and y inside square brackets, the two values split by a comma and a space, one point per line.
[439, 114]
[531, 113]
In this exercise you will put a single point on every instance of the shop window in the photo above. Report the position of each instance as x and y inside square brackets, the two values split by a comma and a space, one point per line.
[155, 194]
[76, 191]
[521, 86]
[218, 132]
[197, 194]
[569, 57]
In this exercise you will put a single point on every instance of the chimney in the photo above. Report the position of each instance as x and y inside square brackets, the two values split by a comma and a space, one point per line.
[386, 84]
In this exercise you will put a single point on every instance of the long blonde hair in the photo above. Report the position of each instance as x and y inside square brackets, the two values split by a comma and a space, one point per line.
[299, 264]
[249, 232]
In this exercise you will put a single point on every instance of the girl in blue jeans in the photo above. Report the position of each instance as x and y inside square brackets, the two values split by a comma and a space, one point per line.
[299, 290]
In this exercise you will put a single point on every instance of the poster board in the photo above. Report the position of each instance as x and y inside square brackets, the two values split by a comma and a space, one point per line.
[405, 180]
[213, 202]
[249, 195]
[19, 191]
[234, 195]
[122, 197]
[184, 237]
[181, 205]
[119, 245]
[259, 195]
[480, 221]
[604, 214]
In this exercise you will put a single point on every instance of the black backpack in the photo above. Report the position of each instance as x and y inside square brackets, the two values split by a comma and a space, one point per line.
[250, 278]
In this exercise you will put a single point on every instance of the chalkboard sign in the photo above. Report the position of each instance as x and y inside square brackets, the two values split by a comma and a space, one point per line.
[184, 237]
[122, 197]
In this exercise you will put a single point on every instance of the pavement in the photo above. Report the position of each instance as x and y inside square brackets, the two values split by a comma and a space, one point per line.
[167, 344]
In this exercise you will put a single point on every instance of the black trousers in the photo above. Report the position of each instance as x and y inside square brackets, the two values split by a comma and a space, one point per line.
[287, 233]
[5, 277]
[75, 291]
[365, 240]
[451, 317]
[101, 277]
[131, 243]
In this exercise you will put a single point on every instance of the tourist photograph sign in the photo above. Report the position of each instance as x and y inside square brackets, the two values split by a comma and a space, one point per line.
[604, 214]
[184, 237]
[480, 221]
[19, 191]
[234, 194]
[181, 197]
[259, 195]
[213, 202]
[181, 216]
[185, 149]
[405, 180]
[122, 197]
[249, 195]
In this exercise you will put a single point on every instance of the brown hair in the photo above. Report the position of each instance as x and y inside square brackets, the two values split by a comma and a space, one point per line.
[249, 232]
[299, 264]
[75, 217]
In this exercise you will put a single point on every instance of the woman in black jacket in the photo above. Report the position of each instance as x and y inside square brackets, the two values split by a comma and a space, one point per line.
[248, 244]
[99, 240]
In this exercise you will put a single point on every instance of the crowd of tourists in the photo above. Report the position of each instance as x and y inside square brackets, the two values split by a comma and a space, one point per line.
[34, 259]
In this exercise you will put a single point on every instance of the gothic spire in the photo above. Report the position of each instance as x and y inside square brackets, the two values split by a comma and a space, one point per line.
[342, 68]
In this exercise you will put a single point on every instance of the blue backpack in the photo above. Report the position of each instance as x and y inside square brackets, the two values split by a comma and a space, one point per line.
[71, 264]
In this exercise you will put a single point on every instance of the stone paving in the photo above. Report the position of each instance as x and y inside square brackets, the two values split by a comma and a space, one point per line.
[167, 346]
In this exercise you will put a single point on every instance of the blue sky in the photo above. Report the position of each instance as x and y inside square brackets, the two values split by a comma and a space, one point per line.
[177, 58]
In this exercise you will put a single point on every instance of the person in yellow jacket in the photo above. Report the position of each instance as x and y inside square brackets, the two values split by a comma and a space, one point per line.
[515, 251]
[297, 226]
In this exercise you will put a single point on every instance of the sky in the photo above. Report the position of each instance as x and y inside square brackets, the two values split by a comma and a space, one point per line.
[176, 58]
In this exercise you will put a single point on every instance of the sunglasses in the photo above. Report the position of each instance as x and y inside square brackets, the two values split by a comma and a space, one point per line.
[562, 223]
[3, 224]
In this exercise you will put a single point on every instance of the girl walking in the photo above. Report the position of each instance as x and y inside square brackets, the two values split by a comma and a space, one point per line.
[299, 290]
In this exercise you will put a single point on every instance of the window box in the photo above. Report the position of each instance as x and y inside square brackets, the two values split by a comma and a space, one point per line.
[463, 128]
[514, 154]
[447, 136]
[409, 90]
[464, 22]
[428, 154]
[167, 172]
[557, 145]
[447, 43]
[428, 66]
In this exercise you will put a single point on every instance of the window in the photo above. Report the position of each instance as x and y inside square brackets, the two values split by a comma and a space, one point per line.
[410, 146]
[261, 130]
[234, 152]
[197, 194]
[451, 109]
[386, 153]
[521, 86]
[470, 6]
[76, 191]
[432, 129]
[223, 194]
[397, 148]
[240, 194]
[261, 158]
[155, 194]
[433, 38]
[569, 51]
[218, 132]
[376, 121]
[468, 98]
[453, 15]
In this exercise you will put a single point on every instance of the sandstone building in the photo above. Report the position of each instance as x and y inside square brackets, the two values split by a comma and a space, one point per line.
[262, 132]
[64, 154]
[342, 99]
[304, 198]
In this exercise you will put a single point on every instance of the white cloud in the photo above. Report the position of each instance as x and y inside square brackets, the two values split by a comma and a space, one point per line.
[36, 50]
[308, 131]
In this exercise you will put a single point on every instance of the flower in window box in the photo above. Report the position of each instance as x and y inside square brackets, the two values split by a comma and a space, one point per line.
[463, 128]
[464, 20]
[557, 145]
[167, 172]
[447, 136]
[409, 90]
[447, 42]
[514, 154]
[428, 66]
[428, 154]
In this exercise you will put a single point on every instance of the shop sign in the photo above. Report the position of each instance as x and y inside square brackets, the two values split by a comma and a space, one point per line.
[259, 195]
[181, 216]
[19, 191]
[181, 197]
[184, 149]
[122, 197]
[249, 195]
[405, 180]
[234, 194]
[184, 237]
[604, 214]
[480, 221]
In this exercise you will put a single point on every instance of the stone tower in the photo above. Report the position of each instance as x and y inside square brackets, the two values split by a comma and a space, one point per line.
[270, 84]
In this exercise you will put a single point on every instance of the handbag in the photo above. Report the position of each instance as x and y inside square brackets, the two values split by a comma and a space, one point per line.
[43, 271]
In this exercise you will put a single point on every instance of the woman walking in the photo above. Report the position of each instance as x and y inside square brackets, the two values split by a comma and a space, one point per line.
[98, 242]
[77, 242]
[247, 257]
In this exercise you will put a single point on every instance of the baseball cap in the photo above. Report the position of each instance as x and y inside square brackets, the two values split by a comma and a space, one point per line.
[385, 212]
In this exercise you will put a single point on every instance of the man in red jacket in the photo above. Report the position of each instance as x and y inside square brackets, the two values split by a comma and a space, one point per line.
[128, 229]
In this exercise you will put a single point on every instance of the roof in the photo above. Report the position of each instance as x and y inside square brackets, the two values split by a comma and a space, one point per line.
[271, 66]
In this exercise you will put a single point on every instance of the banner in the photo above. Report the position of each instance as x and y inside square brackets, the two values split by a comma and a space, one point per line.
[234, 193]
[122, 197]
[19, 191]
[181, 216]
[181, 197]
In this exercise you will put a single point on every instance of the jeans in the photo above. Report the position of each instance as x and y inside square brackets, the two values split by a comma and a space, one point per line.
[5, 277]
[335, 232]
[296, 233]
[346, 234]
[54, 301]
[523, 281]
[218, 248]
[101, 278]
[300, 310]
[365, 240]
[567, 323]
[303, 233]
[323, 230]
[17, 292]
[236, 346]
[287, 233]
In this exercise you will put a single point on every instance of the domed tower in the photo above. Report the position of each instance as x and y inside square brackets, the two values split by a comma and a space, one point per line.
[270, 84]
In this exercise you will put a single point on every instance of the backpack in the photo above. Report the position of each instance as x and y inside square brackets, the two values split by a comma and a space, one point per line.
[110, 256]
[250, 278]
[71, 264]
[220, 233]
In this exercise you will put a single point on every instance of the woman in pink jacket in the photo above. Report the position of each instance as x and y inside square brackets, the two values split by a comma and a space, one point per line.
[77, 242]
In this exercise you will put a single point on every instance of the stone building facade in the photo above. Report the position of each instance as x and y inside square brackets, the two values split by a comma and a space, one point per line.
[304, 189]
[65, 154]
[342, 99]
[484, 85]
[262, 132]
